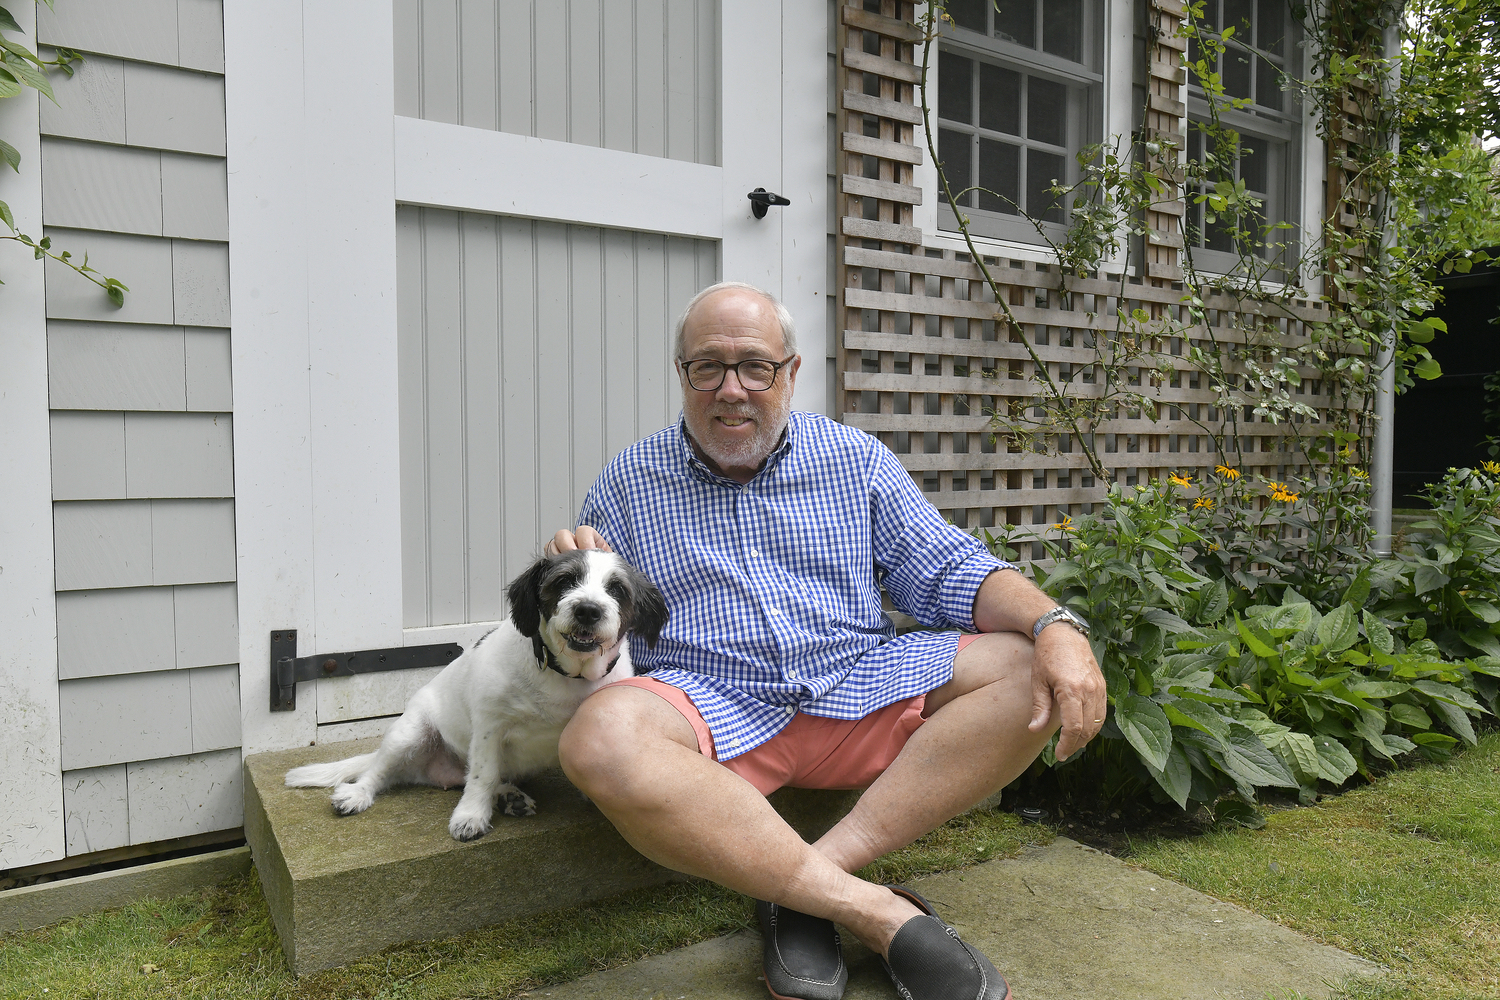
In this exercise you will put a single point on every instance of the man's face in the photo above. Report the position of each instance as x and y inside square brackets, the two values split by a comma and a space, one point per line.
[734, 428]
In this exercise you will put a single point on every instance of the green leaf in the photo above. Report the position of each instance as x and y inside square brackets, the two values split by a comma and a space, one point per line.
[1369, 725]
[29, 75]
[1176, 779]
[1483, 610]
[1433, 739]
[116, 295]
[1250, 760]
[1167, 621]
[1213, 602]
[1257, 646]
[1427, 368]
[10, 155]
[1395, 745]
[1300, 753]
[1335, 763]
[1238, 812]
[1338, 629]
[1359, 589]
[1199, 716]
[9, 85]
[1457, 720]
[1428, 578]
[1447, 693]
[1411, 715]
[8, 23]
[1147, 729]
[6, 217]
[1380, 636]
[1379, 689]
[1484, 641]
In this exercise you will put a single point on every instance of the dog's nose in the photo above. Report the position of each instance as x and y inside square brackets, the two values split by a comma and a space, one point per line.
[587, 613]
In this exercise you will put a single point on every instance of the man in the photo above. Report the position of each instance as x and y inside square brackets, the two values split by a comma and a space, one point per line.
[770, 534]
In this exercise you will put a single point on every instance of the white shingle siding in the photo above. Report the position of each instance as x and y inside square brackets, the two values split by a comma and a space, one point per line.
[133, 174]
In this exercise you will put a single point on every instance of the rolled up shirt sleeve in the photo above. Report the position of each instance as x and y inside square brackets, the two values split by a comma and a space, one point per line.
[931, 569]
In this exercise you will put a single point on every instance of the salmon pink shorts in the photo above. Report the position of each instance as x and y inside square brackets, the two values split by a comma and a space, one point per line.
[811, 752]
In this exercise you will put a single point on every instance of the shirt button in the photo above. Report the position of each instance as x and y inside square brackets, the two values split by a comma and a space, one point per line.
[790, 710]
[773, 611]
[755, 552]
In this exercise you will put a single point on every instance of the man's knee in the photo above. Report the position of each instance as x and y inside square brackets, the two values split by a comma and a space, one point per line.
[999, 662]
[612, 728]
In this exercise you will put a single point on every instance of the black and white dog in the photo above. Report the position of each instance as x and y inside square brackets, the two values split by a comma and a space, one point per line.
[494, 715]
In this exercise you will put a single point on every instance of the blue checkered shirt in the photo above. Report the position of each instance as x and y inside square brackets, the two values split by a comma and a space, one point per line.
[774, 585]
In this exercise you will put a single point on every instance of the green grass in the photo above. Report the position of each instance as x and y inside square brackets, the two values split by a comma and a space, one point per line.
[220, 943]
[1405, 872]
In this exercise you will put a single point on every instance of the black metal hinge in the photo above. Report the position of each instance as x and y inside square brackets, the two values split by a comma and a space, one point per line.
[287, 668]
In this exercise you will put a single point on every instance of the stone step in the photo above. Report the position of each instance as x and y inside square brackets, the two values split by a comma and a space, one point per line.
[341, 887]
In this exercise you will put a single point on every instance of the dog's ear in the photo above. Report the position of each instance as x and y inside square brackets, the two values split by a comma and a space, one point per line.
[649, 609]
[525, 597]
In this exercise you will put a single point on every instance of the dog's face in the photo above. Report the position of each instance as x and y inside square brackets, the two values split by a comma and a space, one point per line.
[582, 603]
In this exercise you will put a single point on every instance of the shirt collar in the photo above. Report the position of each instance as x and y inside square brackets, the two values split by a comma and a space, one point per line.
[702, 471]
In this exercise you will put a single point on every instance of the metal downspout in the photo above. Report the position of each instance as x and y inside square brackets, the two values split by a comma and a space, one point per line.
[1382, 460]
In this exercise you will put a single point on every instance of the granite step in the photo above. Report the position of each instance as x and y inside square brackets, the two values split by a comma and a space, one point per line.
[341, 887]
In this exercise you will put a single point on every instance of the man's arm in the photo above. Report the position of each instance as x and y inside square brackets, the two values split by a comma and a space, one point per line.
[1063, 667]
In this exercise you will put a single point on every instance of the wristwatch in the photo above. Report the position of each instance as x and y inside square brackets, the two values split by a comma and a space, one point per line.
[1060, 614]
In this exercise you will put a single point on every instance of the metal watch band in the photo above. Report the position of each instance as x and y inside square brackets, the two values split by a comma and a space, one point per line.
[1060, 614]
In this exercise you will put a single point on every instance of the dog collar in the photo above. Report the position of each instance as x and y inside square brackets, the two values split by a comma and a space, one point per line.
[548, 659]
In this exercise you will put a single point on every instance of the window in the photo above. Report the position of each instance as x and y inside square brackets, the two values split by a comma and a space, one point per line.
[1256, 54]
[1017, 98]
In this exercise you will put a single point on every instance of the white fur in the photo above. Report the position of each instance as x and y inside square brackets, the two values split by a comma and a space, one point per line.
[492, 717]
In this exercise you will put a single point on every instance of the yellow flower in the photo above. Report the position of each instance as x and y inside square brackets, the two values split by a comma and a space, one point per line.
[1181, 480]
[1227, 472]
[1361, 474]
[1277, 487]
[1492, 468]
[1285, 496]
[1206, 503]
[1066, 524]
[1213, 546]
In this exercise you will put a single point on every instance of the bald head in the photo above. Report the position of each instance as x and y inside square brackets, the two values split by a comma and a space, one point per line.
[782, 315]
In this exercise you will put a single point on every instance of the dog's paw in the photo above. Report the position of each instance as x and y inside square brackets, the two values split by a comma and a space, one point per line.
[468, 826]
[350, 799]
[518, 803]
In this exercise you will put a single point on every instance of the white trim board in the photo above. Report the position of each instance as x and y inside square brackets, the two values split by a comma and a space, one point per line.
[30, 737]
[476, 170]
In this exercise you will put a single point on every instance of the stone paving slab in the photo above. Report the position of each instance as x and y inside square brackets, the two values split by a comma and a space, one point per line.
[1063, 922]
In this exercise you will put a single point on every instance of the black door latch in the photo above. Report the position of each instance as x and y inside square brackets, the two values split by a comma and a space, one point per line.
[761, 199]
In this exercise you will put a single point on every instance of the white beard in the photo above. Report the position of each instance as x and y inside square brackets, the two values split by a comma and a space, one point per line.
[749, 453]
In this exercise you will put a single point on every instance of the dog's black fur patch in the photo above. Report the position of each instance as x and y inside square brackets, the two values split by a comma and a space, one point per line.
[535, 593]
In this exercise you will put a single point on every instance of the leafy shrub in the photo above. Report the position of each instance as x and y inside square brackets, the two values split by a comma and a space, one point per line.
[1215, 690]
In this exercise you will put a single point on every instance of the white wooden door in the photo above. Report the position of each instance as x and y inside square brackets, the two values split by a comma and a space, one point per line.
[318, 166]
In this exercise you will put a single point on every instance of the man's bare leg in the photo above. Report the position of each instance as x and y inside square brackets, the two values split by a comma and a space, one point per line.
[637, 758]
[975, 742]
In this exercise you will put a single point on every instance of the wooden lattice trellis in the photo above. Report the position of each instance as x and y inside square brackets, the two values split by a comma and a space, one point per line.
[925, 360]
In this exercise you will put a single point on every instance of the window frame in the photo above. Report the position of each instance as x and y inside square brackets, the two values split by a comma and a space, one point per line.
[1106, 78]
[1291, 128]
[1084, 84]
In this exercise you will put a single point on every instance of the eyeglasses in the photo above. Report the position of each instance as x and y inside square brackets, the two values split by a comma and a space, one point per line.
[755, 374]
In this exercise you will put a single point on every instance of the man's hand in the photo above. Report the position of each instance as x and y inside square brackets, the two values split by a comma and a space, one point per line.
[584, 537]
[1063, 671]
